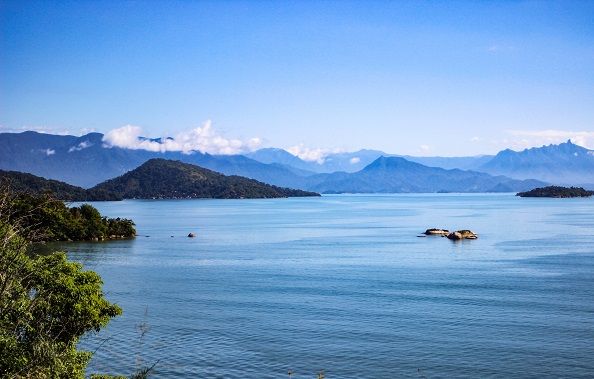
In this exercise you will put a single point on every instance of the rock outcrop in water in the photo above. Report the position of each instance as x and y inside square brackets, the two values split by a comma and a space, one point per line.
[456, 236]
[436, 232]
[462, 234]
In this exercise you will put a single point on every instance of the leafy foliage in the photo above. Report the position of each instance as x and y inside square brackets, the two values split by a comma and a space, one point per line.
[46, 304]
[166, 179]
[43, 218]
[556, 191]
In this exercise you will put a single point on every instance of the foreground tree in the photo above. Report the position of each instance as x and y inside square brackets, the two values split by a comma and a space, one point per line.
[46, 304]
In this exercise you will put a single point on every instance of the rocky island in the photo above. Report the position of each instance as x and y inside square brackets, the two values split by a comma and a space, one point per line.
[462, 235]
[436, 232]
[456, 235]
[556, 191]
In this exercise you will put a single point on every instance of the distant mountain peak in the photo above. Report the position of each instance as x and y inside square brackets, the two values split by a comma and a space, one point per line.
[384, 162]
[569, 144]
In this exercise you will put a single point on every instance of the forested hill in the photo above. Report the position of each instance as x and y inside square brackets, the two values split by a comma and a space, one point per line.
[21, 182]
[166, 179]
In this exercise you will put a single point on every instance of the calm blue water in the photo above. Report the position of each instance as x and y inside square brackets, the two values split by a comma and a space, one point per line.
[343, 283]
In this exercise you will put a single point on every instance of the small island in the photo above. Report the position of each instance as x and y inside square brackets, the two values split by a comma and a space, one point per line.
[556, 191]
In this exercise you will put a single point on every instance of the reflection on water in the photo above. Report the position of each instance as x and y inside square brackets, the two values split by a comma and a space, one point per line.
[343, 283]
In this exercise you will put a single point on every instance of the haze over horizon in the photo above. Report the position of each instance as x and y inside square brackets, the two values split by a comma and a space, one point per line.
[425, 79]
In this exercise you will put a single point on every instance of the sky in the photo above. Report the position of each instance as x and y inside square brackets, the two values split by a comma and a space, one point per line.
[449, 78]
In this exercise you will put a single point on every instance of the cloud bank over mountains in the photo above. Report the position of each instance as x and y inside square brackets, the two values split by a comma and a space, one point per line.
[204, 139]
[308, 154]
[207, 140]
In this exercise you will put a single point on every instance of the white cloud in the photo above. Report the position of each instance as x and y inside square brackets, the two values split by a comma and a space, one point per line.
[49, 152]
[354, 160]
[80, 146]
[531, 138]
[203, 139]
[317, 155]
[253, 143]
[424, 148]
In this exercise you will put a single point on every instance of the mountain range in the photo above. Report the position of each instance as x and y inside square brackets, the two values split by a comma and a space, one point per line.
[397, 175]
[345, 161]
[562, 164]
[86, 161]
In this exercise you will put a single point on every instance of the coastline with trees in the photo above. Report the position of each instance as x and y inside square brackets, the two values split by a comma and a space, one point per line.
[47, 303]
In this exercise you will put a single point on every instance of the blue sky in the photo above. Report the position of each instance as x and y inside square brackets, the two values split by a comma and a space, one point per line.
[423, 78]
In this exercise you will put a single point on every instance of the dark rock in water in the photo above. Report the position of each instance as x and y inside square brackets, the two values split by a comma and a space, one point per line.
[191, 235]
[436, 232]
[462, 234]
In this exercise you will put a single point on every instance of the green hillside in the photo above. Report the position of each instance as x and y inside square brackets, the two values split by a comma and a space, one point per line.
[166, 179]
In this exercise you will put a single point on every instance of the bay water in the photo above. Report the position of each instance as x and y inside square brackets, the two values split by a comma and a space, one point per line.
[345, 284]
